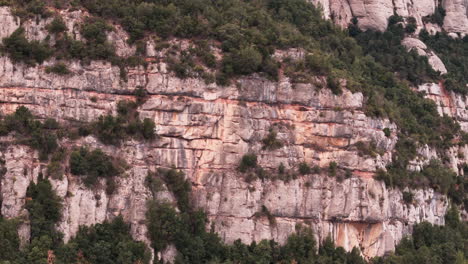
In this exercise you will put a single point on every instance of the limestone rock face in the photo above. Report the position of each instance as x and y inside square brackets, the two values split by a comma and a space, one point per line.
[374, 14]
[204, 130]
[456, 19]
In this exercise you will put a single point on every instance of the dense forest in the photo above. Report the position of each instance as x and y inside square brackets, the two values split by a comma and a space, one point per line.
[247, 34]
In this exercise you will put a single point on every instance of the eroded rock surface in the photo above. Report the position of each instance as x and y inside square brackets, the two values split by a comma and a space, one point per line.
[374, 14]
[204, 130]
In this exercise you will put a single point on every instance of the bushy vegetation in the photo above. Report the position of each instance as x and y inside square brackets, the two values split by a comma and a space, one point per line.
[433, 244]
[57, 26]
[44, 208]
[58, 68]
[106, 243]
[248, 161]
[9, 241]
[434, 175]
[19, 49]
[30, 131]
[178, 185]
[304, 168]
[93, 165]
[271, 142]
[113, 130]
[454, 54]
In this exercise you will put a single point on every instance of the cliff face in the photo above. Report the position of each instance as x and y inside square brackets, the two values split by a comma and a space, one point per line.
[374, 14]
[204, 130]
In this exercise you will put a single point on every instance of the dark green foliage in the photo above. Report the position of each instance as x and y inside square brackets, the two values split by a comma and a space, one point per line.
[19, 49]
[9, 241]
[40, 136]
[386, 48]
[411, 25]
[408, 197]
[318, 64]
[154, 183]
[437, 17]
[58, 68]
[179, 186]
[271, 142]
[113, 130]
[163, 224]
[434, 175]
[109, 129]
[432, 244]
[248, 161]
[367, 149]
[454, 54]
[106, 243]
[244, 61]
[387, 132]
[265, 212]
[44, 207]
[93, 165]
[29, 8]
[55, 170]
[304, 168]
[57, 26]
[96, 47]
[332, 168]
[333, 84]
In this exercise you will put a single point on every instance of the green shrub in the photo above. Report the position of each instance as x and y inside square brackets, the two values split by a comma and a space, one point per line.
[106, 243]
[244, 61]
[57, 26]
[93, 165]
[334, 85]
[270, 142]
[163, 224]
[281, 168]
[31, 132]
[44, 208]
[58, 68]
[408, 197]
[113, 130]
[248, 161]
[445, 244]
[55, 170]
[19, 49]
[9, 241]
[332, 167]
[318, 64]
[387, 132]
[367, 149]
[179, 186]
[304, 168]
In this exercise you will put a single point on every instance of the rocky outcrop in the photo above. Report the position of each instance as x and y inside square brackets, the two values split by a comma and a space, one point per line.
[456, 19]
[204, 130]
[374, 14]
[422, 50]
[357, 212]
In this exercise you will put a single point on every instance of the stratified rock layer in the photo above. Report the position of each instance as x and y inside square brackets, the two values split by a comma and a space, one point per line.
[204, 130]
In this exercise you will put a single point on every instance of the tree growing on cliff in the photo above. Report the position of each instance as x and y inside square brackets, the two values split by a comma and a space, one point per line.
[19, 49]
